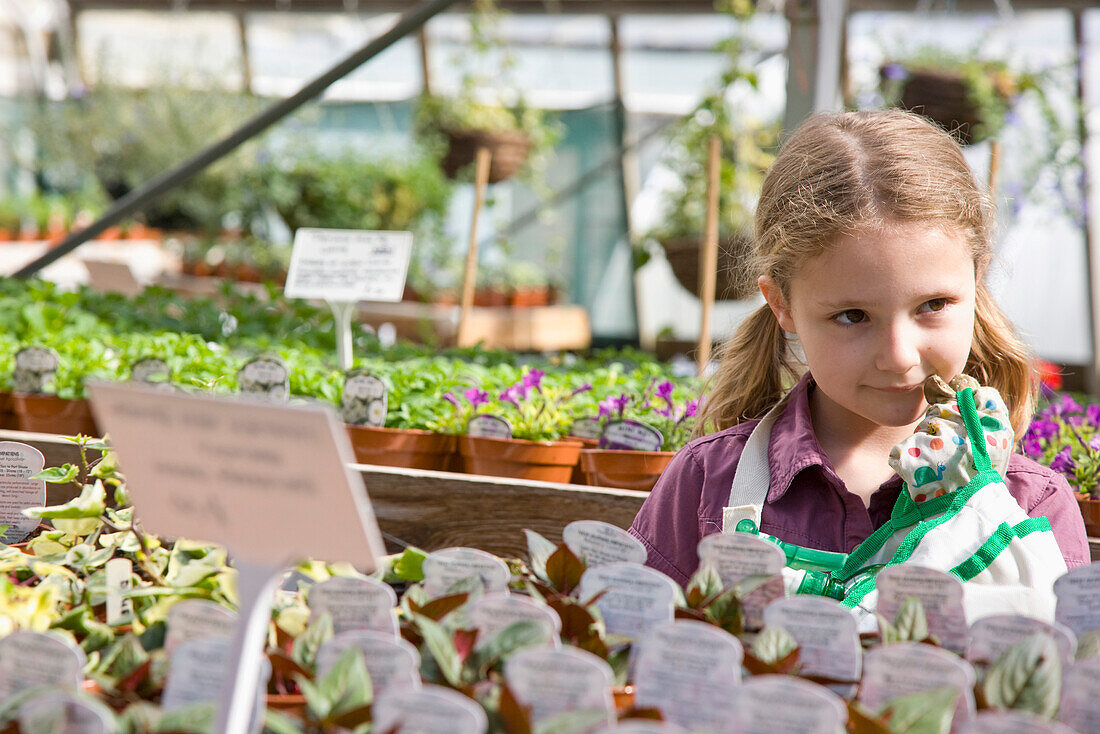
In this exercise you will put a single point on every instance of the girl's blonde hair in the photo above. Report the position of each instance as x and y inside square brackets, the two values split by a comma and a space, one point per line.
[840, 174]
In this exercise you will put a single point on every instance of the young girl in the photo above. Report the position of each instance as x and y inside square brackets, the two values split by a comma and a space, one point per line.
[872, 240]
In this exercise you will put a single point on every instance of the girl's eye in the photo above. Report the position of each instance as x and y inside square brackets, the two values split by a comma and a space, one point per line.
[849, 317]
[936, 304]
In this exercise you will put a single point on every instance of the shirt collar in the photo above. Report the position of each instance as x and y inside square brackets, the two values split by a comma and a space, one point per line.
[793, 445]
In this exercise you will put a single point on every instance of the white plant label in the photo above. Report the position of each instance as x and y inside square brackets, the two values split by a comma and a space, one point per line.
[197, 674]
[355, 604]
[587, 428]
[941, 595]
[991, 637]
[493, 612]
[557, 681]
[688, 670]
[912, 667]
[428, 709]
[363, 402]
[33, 367]
[18, 463]
[119, 573]
[642, 726]
[198, 619]
[1080, 705]
[150, 369]
[781, 704]
[1078, 595]
[636, 597]
[489, 426]
[57, 712]
[631, 435]
[444, 568]
[30, 659]
[826, 633]
[598, 543]
[393, 664]
[265, 377]
[737, 556]
[348, 265]
[1012, 722]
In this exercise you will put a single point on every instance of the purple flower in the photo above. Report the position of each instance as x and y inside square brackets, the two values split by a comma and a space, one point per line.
[666, 412]
[1075, 420]
[513, 395]
[1092, 414]
[691, 408]
[450, 397]
[1062, 462]
[1032, 447]
[664, 391]
[1069, 405]
[1094, 443]
[583, 388]
[612, 405]
[476, 397]
[533, 379]
[1043, 428]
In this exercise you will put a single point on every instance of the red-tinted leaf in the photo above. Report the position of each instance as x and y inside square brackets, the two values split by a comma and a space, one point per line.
[859, 722]
[437, 609]
[135, 677]
[784, 666]
[564, 569]
[644, 713]
[695, 614]
[287, 666]
[464, 641]
[515, 717]
[283, 640]
[353, 718]
[411, 634]
[576, 620]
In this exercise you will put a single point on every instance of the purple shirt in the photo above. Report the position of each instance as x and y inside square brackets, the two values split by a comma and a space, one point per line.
[808, 503]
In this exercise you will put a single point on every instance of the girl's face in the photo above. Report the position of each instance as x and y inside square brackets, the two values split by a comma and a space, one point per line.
[878, 313]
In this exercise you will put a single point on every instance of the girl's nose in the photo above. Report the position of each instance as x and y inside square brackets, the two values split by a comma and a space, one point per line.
[899, 349]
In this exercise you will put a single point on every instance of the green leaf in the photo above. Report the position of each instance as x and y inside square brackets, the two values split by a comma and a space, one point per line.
[1088, 645]
[538, 550]
[572, 722]
[441, 648]
[277, 722]
[306, 645]
[520, 634]
[925, 712]
[91, 503]
[773, 644]
[58, 474]
[1028, 676]
[409, 565]
[910, 622]
[347, 686]
[703, 585]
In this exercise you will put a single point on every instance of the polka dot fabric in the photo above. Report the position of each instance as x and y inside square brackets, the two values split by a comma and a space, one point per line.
[937, 458]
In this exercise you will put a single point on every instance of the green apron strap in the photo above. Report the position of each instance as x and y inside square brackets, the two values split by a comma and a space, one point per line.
[974, 431]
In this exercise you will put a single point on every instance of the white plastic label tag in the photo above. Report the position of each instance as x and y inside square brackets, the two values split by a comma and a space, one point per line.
[597, 543]
[635, 597]
[355, 604]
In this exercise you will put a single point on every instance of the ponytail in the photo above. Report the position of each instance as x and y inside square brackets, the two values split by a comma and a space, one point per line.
[754, 372]
[999, 358]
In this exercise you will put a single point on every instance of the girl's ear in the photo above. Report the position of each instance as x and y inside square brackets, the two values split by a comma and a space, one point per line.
[777, 303]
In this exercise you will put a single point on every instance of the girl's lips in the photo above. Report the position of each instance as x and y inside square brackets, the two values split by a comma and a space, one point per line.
[903, 389]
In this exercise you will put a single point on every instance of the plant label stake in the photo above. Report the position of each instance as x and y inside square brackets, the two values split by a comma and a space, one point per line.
[688, 670]
[489, 426]
[266, 378]
[393, 663]
[30, 659]
[431, 708]
[345, 266]
[636, 597]
[364, 400]
[940, 594]
[493, 612]
[1078, 595]
[33, 367]
[119, 573]
[469, 279]
[198, 619]
[269, 482]
[708, 256]
[991, 636]
[912, 667]
[557, 681]
[355, 604]
[779, 703]
[18, 463]
[1080, 706]
[58, 711]
[151, 370]
[826, 633]
[1015, 722]
[598, 543]
[738, 556]
[630, 435]
[589, 427]
[197, 674]
[444, 568]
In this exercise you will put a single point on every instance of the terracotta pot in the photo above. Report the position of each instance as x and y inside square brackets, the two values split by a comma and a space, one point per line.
[545, 461]
[51, 414]
[624, 698]
[624, 469]
[9, 421]
[528, 297]
[292, 704]
[490, 297]
[578, 476]
[508, 149]
[408, 448]
[1090, 513]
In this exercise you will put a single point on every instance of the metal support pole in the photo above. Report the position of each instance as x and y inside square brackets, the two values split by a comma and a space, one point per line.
[627, 162]
[140, 198]
[1092, 258]
[246, 63]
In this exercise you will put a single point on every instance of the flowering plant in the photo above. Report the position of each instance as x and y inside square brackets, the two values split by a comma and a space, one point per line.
[1066, 436]
[537, 408]
[658, 407]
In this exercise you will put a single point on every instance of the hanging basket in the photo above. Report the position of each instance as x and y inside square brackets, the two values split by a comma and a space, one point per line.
[508, 149]
[734, 279]
[943, 97]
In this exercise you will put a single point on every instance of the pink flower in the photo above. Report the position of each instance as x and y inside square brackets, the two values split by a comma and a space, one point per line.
[533, 379]
[476, 397]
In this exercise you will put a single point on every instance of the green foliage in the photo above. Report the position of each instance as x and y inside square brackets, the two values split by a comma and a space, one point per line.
[1028, 676]
[926, 712]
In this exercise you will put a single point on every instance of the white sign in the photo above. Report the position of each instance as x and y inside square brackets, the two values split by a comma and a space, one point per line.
[19, 462]
[941, 595]
[355, 604]
[393, 664]
[348, 265]
[493, 612]
[1013, 722]
[119, 577]
[737, 556]
[30, 659]
[598, 543]
[781, 704]
[197, 674]
[912, 667]
[363, 402]
[198, 619]
[57, 712]
[444, 568]
[428, 709]
[637, 597]
[33, 366]
[557, 681]
[826, 634]
[586, 428]
[688, 670]
[1080, 706]
[112, 276]
[631, 435]
[642, 726]
[489, 426]
[265, 376]
[991, 637]
[1078, 595]
[150, 369]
